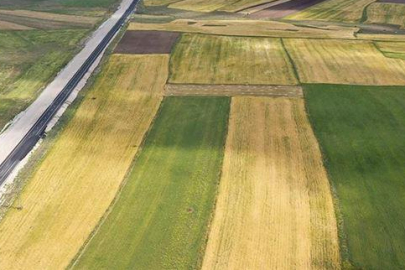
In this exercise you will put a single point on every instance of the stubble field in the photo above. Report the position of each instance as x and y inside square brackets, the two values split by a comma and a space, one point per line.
[274, 208]
[344, 62]
[205, 59]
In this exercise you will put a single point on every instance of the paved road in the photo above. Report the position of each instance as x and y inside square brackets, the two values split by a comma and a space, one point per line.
[18, 140]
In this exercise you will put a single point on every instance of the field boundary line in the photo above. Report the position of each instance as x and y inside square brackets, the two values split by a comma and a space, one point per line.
[117, 196]
[294, 67]
[342, 236]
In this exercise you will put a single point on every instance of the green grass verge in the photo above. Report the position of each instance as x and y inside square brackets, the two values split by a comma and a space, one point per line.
[160, 218]
[28, 61]
[361, 130]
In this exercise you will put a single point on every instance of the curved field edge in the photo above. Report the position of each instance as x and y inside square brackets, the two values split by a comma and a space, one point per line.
[160, 219]
[79, 176]
[360, 130]
[274, 209]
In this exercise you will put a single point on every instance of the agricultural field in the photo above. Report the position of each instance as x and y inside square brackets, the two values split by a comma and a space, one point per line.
[28, 60]
[160, 218]
[392, 49]
[217, 134]
[334, 10]
[37, 41]
[55, 4]
[247, 28]
[386, 13]
[47, 20]
[274, 208]
[78, 178]
[361, 131]
[212, 5]
[205, 59]
[344, 62]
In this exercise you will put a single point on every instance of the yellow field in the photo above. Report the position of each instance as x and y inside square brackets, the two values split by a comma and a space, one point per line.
[333, 10]
[204, 59]
[51, 16]
[386, 13]
[257, 8]
[379, 37]
[392, 49]
[159, 2]
[79, 177]
[13, 26]
[248, 28]
[344, 62]
[212, 5]
[274, 208]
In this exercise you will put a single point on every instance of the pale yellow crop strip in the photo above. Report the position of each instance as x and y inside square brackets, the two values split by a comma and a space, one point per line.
[344, 62]
[79, 177]
[274, 208]
[204, 59]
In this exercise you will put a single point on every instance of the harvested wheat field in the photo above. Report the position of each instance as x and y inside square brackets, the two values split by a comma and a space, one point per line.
[344, 62]
[248, 28]
[334, 10]
[274, 208]
[204, 59]
[392, 49]
[233, 90]
[78, 178]
[386, 13]
[159, 2]
[212, 5]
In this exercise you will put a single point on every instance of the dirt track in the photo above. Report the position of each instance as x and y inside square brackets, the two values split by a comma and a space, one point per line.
[147, 42]
[284, 9]
[233, 90]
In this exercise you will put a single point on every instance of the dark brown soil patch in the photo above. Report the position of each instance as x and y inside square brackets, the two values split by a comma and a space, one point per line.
[284, 9]
[147, 42]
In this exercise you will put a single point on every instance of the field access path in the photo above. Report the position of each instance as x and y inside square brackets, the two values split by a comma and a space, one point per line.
[25, 131]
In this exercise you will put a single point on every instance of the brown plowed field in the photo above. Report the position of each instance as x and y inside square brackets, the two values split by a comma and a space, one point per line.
[233, 90]
[147, 42]
[284, 9]
[274, 208]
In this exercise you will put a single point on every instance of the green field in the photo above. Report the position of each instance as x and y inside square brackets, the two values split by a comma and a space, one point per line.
[28, 60]
[41, 4]
[160, 218]
[362, 133]
[333, 10]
